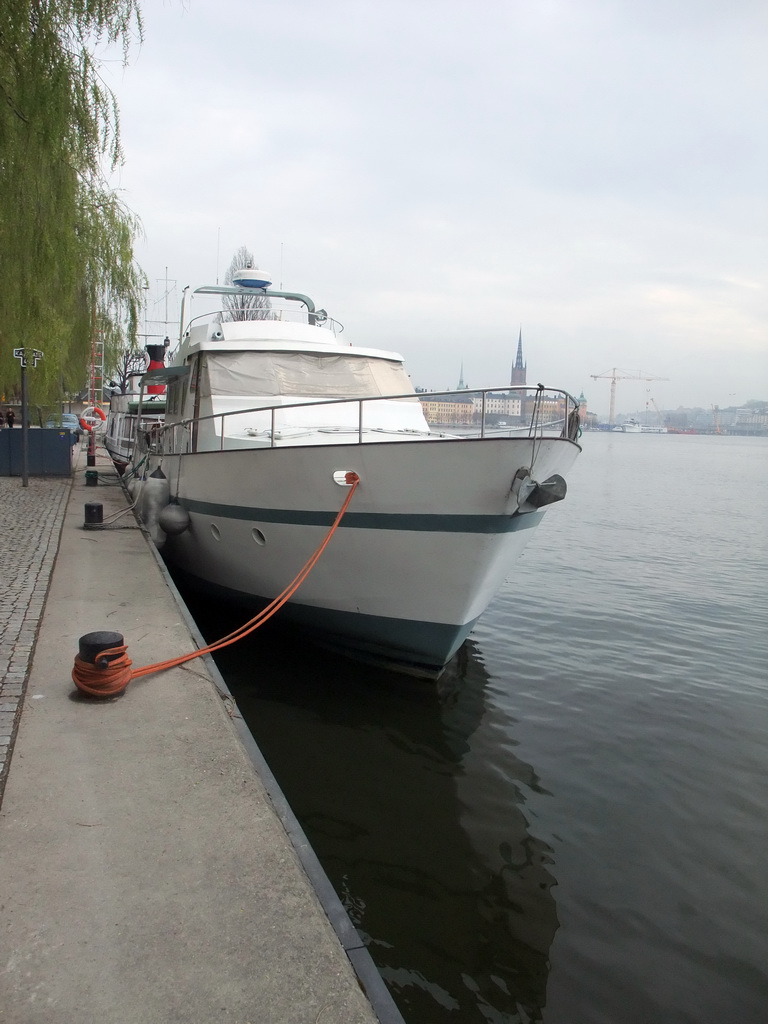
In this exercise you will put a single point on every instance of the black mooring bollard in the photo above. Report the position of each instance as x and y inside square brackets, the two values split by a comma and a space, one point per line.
[91, 645]
[94, 514]
[91, 477]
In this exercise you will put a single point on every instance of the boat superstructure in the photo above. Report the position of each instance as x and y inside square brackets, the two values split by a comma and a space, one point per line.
[267, 417]
[128, 414]
[133, 413]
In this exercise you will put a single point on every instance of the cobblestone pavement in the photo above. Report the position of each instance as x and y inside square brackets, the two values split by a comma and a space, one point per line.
[29, 539]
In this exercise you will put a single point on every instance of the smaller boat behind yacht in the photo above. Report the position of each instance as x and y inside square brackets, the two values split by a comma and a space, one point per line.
[132, 410]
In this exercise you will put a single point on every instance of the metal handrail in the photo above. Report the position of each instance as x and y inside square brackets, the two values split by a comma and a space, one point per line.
[317, 319]
[535, 427]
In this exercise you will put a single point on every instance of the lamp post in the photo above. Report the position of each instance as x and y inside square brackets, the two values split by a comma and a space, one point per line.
[24, 356]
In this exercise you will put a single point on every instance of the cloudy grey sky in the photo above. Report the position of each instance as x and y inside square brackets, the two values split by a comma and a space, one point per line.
[436, 174]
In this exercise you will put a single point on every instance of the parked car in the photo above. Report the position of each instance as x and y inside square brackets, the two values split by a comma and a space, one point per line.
[66, 421]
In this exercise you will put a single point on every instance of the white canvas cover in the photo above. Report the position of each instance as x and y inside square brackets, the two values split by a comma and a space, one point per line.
[301, 375]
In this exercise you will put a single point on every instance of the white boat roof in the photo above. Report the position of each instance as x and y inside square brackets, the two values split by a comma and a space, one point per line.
[273, 335]
[277, 332]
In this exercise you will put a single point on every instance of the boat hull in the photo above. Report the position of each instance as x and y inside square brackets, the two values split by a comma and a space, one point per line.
[432, 531]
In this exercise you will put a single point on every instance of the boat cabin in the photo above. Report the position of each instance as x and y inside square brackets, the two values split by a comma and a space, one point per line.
[273, 380]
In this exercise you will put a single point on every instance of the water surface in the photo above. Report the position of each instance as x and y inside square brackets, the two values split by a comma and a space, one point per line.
[571, 825]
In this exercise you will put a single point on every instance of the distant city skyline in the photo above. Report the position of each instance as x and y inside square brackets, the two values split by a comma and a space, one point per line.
[647, 391]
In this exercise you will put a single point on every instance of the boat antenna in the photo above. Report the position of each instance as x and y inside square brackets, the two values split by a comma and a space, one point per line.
[281, 266]
[184, 297]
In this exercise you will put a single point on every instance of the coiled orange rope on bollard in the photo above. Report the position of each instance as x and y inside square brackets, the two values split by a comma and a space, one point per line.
[112, 672]
[104, 682]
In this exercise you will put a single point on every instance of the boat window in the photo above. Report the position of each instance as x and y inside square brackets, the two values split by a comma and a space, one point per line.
[173, 393]
[302, 375]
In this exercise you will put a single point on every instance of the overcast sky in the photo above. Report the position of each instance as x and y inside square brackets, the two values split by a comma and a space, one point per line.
[436, 174]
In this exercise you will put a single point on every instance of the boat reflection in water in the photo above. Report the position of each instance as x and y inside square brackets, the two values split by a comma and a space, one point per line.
[420, 828]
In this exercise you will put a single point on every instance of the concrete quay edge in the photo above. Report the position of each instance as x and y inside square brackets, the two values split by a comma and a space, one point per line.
[152, 868]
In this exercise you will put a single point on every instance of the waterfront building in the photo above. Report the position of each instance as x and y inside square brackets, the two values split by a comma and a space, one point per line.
[500, 403]
[448, 410]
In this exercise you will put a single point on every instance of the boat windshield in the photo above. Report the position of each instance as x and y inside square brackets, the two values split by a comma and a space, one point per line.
[302, 375]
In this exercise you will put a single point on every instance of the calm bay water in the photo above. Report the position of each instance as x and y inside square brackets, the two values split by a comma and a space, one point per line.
[572, 825]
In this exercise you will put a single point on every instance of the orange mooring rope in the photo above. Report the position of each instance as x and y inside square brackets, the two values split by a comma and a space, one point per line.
[113, 679]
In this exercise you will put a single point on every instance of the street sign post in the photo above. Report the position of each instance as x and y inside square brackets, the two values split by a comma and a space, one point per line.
[25, 357]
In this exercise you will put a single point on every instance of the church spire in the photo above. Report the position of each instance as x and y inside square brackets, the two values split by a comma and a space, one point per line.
[461, 385]
[520, 368]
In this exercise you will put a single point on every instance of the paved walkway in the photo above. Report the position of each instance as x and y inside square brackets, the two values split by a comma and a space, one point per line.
[29, 538]
[150, 874]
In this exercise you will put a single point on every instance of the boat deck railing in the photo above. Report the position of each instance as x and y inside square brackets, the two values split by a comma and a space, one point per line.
[466, 414]
[285, 312]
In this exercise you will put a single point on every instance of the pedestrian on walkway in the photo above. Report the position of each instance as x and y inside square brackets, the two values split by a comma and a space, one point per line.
[10, 416]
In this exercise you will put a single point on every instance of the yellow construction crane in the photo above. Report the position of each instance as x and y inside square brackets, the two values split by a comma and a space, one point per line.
[614, 375]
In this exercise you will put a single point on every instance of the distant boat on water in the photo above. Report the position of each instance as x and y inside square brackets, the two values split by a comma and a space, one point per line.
[632, 426]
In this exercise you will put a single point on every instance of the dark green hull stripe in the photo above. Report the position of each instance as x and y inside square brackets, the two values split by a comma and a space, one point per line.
[414, 522]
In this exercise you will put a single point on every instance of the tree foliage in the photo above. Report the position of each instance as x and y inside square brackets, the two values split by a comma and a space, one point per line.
[244, 307]
[128, 362]
[66, 239]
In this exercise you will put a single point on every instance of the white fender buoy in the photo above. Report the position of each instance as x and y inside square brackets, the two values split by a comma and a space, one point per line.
[154, 497]
[133, 486]
[173, 520]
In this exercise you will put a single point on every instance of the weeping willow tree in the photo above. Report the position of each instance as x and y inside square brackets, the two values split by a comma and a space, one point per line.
[66, 239]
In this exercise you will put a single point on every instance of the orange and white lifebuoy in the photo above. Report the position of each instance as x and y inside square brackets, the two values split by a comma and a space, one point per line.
[92, 417]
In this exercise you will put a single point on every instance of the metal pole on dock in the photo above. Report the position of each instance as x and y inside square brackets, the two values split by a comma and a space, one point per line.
[22, 355]
[24, 427]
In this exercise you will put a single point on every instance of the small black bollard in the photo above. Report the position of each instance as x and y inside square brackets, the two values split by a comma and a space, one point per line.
[91, 645]
[94, 514]
[91, 477]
